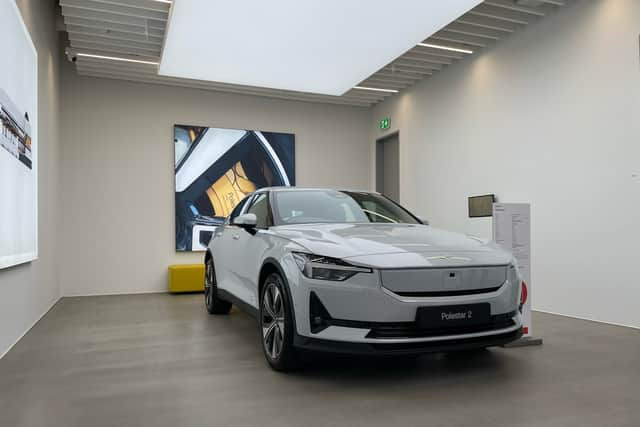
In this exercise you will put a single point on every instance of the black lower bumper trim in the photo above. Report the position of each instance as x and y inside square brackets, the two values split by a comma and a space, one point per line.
[315, 344]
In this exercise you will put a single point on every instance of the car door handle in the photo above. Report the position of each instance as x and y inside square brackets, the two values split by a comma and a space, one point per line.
[236, 237]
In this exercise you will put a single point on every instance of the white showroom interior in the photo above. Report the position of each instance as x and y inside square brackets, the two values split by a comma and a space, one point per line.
[535, 103]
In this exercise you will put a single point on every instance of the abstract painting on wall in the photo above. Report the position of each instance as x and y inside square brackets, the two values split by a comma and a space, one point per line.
[215, 168]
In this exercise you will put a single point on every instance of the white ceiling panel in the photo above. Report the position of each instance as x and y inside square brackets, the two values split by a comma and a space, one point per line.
[323, 47]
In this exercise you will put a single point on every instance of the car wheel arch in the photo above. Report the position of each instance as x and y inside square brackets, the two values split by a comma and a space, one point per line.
[270, 266]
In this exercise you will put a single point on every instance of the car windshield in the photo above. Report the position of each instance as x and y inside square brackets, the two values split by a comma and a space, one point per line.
[331, 206]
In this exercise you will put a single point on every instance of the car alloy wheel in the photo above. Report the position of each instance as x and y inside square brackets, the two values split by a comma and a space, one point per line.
[273, 321]
[214, 304]
[209, 279]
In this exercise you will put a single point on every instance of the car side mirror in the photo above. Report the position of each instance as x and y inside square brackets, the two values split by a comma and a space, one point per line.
[247, 220]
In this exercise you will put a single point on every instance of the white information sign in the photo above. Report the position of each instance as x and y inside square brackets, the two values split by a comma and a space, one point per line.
[512, 231]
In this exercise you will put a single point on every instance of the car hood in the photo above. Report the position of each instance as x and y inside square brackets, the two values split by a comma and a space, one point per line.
[394, 245]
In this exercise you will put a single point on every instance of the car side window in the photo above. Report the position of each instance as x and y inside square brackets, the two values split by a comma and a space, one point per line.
[260, 207]
[236, 211]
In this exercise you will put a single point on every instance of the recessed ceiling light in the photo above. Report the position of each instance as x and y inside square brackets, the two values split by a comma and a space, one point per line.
[376, 89]
[116, 58]
[324, 47]
[452, 49]
[163, 1]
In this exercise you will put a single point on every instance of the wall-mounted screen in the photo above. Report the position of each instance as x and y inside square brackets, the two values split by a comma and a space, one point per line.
[481, 206]
[18, 140]
[216, 168]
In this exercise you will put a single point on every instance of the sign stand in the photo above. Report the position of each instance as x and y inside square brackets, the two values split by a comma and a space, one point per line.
[524, 342]
[512, 231]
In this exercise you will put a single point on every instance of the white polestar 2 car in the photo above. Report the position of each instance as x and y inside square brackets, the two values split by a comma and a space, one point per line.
[352, 271]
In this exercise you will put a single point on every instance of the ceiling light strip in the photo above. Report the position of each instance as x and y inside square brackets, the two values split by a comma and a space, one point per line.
[116, 58]
[376, 89]
[452, 49]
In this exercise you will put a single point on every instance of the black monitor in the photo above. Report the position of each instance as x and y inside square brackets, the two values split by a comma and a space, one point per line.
[481, 206]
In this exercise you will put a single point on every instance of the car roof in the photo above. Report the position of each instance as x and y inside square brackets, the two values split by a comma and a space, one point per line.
[294, 188]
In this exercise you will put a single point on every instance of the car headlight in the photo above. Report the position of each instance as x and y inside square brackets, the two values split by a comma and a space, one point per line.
[326, 268]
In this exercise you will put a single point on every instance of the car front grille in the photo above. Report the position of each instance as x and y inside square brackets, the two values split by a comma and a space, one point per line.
[444, 281]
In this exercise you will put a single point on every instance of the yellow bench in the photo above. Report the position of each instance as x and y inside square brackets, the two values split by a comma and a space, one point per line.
[186, 278]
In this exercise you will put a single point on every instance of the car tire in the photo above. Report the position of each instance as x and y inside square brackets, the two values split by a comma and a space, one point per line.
[214, 304]
[275, 319]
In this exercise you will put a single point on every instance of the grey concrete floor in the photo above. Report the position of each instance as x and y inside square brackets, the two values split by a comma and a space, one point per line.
[161, 360]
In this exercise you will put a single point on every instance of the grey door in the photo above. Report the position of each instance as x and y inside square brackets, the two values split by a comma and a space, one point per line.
[387, 167]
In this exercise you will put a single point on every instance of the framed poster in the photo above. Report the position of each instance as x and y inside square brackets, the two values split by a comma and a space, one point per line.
[215, 168]
[18, 140]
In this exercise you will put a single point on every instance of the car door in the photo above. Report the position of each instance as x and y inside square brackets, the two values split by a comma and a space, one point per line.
[223, 248]
[249, 247]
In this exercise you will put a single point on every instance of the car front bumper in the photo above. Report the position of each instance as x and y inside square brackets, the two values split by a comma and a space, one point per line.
[406, 347]
[362, 316]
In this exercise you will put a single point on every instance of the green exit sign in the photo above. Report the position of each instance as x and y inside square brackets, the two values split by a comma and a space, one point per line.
[385, 123]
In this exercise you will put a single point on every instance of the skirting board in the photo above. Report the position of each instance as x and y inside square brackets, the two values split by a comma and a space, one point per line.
[103, 294]
[587, 319]
[30, 327]
[529, 341]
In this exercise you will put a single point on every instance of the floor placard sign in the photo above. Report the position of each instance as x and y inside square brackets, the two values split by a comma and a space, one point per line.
[512, 231]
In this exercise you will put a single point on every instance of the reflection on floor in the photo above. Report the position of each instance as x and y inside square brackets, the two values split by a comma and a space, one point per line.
[161, 360]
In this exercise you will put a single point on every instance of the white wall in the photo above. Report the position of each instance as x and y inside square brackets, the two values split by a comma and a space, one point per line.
[118, 200]
[550, 116]
[29, 290]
